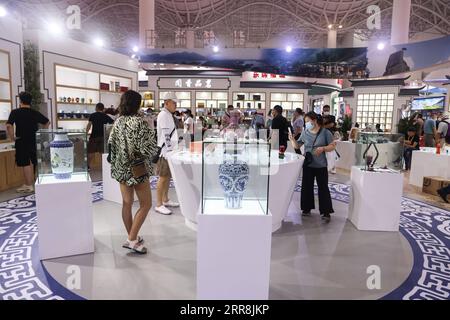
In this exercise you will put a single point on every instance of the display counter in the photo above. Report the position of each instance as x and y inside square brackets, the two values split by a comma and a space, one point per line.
[11, 176]
[186, 168]
[426, 163]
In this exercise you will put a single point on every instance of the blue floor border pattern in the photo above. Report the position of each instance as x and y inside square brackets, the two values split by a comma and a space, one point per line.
[23, 276]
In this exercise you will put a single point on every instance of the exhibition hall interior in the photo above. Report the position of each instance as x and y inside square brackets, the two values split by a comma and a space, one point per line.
[224, 150]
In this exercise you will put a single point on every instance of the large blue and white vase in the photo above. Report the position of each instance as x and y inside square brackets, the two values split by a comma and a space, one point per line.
[233, 177]
[61, 155]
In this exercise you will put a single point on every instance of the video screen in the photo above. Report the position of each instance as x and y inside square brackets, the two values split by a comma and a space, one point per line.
[429, 103]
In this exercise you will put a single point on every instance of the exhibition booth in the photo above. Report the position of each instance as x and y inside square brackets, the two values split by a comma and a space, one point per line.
[11, 83]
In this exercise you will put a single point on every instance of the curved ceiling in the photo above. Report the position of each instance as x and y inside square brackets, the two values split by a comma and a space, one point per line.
[260, 21]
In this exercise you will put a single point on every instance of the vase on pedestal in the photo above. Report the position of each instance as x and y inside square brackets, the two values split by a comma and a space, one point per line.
[234, 177]
[61, 155]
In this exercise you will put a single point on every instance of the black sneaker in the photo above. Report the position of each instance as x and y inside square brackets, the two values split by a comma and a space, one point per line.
[326, 218]
[443, 195]
[306, 213]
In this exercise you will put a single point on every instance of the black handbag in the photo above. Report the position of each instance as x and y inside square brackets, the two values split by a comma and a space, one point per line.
[155, 159]
[308, 155]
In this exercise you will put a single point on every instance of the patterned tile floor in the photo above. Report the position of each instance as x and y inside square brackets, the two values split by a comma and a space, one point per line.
[426, 228]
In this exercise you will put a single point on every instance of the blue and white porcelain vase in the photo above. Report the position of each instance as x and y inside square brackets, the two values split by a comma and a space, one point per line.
[233, 177]
[61, 155]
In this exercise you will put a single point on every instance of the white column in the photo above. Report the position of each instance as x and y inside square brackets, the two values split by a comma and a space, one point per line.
[332, 38]
[190, 39]
[401, 12]
[146, 22]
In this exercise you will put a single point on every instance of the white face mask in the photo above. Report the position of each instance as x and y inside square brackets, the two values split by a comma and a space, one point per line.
[326, 113]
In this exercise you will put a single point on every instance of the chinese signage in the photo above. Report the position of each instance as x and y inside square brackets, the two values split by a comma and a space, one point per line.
[262, 75]
[194, 83]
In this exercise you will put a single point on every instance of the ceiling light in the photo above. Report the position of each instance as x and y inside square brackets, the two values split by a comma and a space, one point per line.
[54, 28]
[330, 26]
[340, 26]
[216, 49]
[288, 49]
[381, 46]
[2, 12]
[133, 56]
[135, 49]
[99, 42]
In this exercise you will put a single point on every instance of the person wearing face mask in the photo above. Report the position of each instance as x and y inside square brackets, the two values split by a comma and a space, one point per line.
[429, 130]
[317, 141]
[326, 110]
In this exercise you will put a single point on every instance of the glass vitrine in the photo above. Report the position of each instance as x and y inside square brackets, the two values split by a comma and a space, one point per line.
[61, 156]
[106, 133]
[235, 176]
[379, 151]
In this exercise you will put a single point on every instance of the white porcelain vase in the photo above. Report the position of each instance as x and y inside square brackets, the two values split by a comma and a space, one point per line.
[61, 155]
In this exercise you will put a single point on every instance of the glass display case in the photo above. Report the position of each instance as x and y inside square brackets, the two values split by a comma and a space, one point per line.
[106, 133]
[62, 156]
[379, 151]
[235, 176]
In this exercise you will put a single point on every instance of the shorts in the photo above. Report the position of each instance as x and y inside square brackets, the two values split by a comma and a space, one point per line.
[96, 145]
[25, 153]
[162, 168]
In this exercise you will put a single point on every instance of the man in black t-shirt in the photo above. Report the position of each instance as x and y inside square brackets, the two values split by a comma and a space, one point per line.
[27, 123]
[97, 121]
[281, 124]
[411, 144]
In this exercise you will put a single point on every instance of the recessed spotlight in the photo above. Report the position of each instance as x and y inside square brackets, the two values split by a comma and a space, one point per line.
[54, 28]
[135, 49]
[330, 26]
[216, 49]
[288, 49]
[340, 26]
[99, 42]
[2, 12]
[381, 46]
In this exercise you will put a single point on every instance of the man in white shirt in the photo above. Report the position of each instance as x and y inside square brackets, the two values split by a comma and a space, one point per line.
[168, 141]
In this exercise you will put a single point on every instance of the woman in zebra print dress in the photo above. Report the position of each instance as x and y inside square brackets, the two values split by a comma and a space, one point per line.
[129, 135]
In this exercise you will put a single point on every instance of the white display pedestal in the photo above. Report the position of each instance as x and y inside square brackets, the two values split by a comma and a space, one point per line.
[375, 201]
[347, 159]
[428, 164]
[64, 217]
[233, 256]
[111, 188]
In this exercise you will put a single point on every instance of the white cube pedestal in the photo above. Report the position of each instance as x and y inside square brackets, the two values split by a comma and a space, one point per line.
[111, 188]
[64, 217]
[375, 201]
[233, 257]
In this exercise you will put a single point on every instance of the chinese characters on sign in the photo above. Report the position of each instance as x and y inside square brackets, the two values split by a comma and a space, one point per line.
[188, 83]
[259, 75]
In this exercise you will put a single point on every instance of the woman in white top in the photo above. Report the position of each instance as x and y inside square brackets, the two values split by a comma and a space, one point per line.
[189, 124]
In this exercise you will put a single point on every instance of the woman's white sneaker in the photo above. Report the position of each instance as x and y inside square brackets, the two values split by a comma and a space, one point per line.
[171, 203]
[163, 210]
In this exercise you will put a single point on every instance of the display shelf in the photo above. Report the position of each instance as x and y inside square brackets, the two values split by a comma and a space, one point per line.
[5, 90]
[76, 104]
[111, 92]
[76, 88]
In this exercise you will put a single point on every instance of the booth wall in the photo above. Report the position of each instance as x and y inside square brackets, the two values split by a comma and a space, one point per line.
[63, 51]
